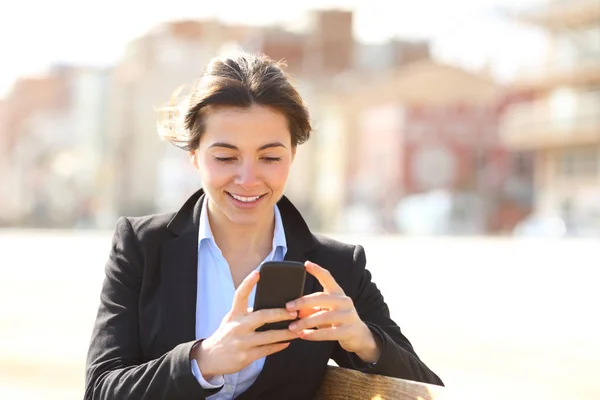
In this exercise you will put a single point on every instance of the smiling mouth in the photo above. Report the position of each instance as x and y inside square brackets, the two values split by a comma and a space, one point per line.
[245, 199]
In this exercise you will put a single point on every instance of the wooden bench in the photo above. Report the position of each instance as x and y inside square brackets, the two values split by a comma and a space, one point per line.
[346, 384]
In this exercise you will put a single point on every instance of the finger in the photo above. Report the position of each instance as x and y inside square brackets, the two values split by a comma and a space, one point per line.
[242, 294]
[261, 317]
[322, 319]
[270, 337]
[267, 350]
[322, 300]
[305, 312]
[324, 277]
[334, 333]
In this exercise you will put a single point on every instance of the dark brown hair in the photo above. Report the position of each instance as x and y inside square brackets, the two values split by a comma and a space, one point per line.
[240, 81]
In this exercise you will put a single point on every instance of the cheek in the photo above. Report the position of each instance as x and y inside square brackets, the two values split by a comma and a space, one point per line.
[278, 176]
[212, 174]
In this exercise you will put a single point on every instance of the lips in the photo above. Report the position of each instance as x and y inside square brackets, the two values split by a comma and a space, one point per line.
[246, 199]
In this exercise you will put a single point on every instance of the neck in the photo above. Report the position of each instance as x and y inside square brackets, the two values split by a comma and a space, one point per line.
[234, 240]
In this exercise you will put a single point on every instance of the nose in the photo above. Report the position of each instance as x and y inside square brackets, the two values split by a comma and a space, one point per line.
[246, 176]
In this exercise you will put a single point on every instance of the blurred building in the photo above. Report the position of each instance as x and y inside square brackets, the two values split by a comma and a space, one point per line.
[52, 145]
[148, 175]
[373, 58]
[89, 149]
[562, 124]
[79, 146]
[419, 129]
[318, 180]
[4, 160]
[324, 47]
[31, 108]
[175, 54]
[394, 131]
[330, 43]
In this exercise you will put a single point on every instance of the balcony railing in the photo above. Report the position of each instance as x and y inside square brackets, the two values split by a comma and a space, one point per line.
[581, 72]
[542, 123]
[560, 14]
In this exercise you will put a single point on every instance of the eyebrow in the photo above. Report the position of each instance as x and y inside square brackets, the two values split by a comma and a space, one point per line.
[232, 147]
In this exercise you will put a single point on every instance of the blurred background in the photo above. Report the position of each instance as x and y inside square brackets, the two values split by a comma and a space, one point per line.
[464, 135]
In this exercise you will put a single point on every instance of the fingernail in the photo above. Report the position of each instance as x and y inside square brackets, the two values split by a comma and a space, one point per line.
[293, 326]
[291, 304]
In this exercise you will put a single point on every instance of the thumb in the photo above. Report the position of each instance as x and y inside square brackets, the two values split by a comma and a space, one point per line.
[242, 294]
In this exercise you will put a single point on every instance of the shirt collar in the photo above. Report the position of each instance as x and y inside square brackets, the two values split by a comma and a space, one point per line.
[204, 232]
[279, 239]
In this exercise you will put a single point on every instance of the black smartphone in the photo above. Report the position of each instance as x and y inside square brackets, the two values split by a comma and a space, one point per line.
[280, 282]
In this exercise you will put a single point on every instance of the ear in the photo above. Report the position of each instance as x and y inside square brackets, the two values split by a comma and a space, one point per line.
[194, 158]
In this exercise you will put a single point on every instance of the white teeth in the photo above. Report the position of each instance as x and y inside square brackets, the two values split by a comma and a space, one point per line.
[245, 199]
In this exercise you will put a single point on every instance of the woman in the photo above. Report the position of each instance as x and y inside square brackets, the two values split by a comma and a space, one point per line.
[173, 321]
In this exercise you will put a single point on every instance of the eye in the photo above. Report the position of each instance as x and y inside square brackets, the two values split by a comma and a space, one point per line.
[270, 160]
[225, 159]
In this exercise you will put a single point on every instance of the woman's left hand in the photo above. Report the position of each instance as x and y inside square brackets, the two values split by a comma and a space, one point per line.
[333, 313]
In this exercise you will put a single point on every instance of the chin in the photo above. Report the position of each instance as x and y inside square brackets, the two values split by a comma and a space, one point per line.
[248, 217]
[244, 220]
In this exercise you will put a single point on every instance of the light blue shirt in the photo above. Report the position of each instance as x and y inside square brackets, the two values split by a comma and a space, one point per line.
[214, 300]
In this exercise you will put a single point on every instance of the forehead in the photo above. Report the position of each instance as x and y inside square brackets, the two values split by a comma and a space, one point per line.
[239, 126]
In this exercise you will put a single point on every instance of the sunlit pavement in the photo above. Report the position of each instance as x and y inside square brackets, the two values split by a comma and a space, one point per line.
[495, 318]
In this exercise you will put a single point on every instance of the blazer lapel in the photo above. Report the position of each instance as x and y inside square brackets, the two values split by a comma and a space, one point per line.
[300, 240]
[179, 269]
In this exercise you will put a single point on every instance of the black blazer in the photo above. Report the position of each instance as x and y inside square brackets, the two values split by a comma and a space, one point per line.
[145, 327]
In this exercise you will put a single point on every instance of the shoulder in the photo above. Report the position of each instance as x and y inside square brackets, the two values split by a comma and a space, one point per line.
[334, 246]
[333, 252]
[345, 261]
[145, 229]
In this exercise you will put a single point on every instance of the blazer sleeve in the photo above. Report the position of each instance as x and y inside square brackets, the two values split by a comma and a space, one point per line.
[398, 359]
[115, 368]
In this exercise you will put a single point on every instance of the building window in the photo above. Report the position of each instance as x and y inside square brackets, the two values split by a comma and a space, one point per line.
[522, 164]
[579, 163]
[577, 45]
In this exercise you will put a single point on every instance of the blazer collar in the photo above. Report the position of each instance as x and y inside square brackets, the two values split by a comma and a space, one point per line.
[187, 220]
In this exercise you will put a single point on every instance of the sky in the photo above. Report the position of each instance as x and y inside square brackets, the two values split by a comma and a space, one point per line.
[37, 33]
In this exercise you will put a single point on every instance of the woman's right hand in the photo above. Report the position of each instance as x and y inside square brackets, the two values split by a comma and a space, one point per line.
[235, 344]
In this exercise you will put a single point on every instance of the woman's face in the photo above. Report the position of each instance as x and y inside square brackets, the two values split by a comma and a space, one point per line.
[244, 159]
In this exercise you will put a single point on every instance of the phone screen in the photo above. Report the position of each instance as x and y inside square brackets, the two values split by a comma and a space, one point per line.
[280, 282]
